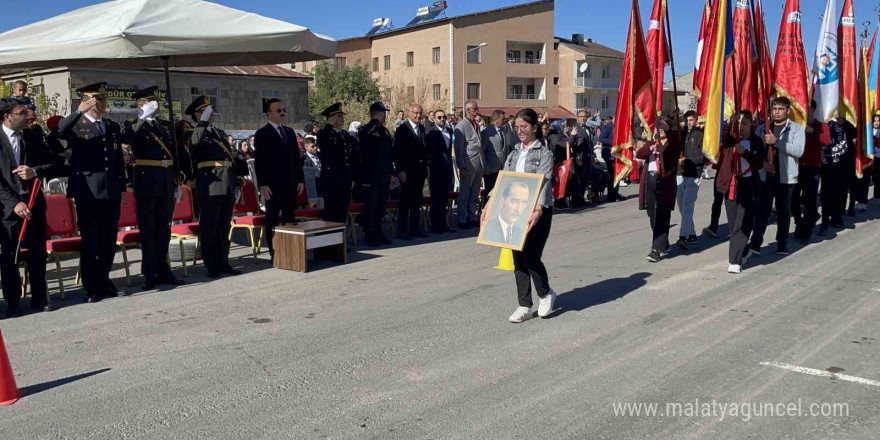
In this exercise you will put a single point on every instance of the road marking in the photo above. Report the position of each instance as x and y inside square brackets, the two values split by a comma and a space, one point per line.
[822, 373]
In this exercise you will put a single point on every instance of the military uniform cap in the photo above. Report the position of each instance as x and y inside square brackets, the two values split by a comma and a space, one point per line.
[93, 89]
[198, 104]
[378, 107]
[148, 94]
[334, 109]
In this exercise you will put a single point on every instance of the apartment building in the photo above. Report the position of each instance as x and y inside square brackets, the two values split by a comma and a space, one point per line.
[589, 74]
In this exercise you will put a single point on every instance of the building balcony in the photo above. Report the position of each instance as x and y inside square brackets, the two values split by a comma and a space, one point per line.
[523, 96]
[596, 83]
[520, 60]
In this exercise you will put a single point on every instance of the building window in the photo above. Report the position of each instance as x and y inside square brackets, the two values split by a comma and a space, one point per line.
[410, 59]
[411, 94]
[435, 55]
[473, 54]
[436, 92]
[387, 62]
[340, 62]
[530, 91]
[530, 57]
[514, 56]
[473, 91]
[209, 92]
[604, 71]
[604, 101]
[515, 91]
[375, 64]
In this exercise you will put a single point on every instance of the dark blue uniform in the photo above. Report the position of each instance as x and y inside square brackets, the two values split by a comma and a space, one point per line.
[376, 170]
[337, 154]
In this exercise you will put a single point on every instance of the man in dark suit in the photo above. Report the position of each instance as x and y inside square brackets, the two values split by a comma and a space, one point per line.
[411, 163]
[376, 168]
[218, 168]
[513, 201]
[155, 179]
[278, 167]
[24, 156]
[336, 153]
[438, 141]
[96, 183]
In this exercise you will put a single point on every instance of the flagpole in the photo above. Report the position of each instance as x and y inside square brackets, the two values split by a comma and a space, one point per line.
[761, 63]
[668, 37]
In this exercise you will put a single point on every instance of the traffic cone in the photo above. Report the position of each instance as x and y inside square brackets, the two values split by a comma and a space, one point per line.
[8, 389]
[505, 261]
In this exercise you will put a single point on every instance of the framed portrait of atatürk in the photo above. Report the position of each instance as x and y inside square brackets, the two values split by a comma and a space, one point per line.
[509, 208]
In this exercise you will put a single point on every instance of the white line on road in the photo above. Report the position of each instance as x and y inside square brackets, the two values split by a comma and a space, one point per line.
[822, 373]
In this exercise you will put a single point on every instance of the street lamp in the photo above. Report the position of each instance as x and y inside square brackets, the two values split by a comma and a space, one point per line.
[463, 82]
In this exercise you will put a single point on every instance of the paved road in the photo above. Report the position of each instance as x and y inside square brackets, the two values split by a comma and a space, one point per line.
[413, 343]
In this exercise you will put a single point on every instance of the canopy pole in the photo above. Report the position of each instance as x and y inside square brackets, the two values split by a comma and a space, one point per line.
[170, 106]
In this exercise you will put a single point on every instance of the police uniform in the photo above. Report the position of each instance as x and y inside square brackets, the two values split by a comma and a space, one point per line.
[337, 155]
[217, 169]
[96, 183]
[154, 186]
[376, 168]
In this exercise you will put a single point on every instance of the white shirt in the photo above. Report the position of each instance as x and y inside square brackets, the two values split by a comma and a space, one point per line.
[521, 160]
[744, 164]
[16, 143]
[446, 136]
[414, 126]
[99, 121]
[652, 164]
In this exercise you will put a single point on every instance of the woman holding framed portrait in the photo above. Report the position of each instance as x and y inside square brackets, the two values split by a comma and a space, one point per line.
[532, 157]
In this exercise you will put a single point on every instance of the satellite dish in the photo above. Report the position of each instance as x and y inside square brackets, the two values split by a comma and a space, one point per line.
[584, 67]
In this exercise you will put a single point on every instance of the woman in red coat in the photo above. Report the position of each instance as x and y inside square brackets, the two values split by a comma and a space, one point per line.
[658, 184]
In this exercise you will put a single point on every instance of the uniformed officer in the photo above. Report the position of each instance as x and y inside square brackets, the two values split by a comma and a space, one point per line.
[376, 169]
[336, 154]
[217, 171]
[154, 187]
[96, 183]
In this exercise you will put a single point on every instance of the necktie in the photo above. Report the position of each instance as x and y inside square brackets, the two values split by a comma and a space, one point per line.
[283, 134]
[510, 234]
[100, 127]
[16, 152]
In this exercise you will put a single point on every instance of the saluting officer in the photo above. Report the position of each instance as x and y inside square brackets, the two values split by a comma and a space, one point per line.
[376, 169]
[217, 173]
[96, 183]
[336, 154]
[154, 185]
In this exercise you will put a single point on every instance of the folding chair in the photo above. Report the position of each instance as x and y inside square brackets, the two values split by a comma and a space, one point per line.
[184, 213]
[132, 237]
[250, 219]
[61, 223]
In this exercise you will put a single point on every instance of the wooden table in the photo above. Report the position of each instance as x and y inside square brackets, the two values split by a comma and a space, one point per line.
[290, 242]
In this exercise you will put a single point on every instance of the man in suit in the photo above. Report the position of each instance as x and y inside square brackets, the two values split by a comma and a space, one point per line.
[155, 182]
[22, 159]
[336, 146]
[438, 140]
[513, 202]
[471, 163]
[311, 166]
[96, 183]
[497, 143]
[411, 163]
[377, 168]
[278, 167]
[218, 168]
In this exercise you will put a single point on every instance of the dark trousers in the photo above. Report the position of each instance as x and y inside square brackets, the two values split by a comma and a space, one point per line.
[214, 224]
[659, 214]
[376, 201]
[527, 264]
[440, 187]
[576, 186]
[740, 217]
[717, 201]
[279, 204]
[833, 193]
[772, 191]
[598, 179]
[35, 242]
[858, 189]
[805, 193]
[97, 221]
[876, 179]
[489, 184]
[410, 203]
[336, 201]
[154, 220]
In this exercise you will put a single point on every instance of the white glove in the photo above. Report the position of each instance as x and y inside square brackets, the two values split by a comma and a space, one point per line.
[207, 113]
[147, 110]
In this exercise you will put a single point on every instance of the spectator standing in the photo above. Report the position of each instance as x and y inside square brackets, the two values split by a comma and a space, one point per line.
[471, 165]
[806, 191]
[497, 142]
[19, 94]
[336, 147]
[411, 164]
[835, 172]
[689, 180]
[311, 166]
[377, 169]
[401, 118]
[438, 141]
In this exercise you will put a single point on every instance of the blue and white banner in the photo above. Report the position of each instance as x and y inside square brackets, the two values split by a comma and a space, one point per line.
[826, 90]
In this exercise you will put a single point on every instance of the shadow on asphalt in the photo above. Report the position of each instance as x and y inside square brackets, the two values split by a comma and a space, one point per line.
[599, 293]
[40, 387]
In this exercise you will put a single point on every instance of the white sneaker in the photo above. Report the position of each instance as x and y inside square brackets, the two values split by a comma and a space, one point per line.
[521, 314]
[545, 304]
[623, 184]
[734, 268]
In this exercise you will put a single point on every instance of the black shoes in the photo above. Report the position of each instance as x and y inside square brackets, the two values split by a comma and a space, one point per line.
[230, 271]
[212, 275]
[14, 312]
[691, 239]
[654, 256]
[682, 243]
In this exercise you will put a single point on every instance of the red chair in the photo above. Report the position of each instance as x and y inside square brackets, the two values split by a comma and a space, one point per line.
[246, 215]
[127, 219]
[354, 211]
[183, 212]
[61, 224]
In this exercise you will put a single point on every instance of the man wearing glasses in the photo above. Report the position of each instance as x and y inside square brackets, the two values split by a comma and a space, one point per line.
[438, 140]
[411, 162]
[97, 181]
[278, 166]
[470, 162]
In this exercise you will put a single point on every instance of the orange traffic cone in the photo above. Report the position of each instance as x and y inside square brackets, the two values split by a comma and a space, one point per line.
[8, 389]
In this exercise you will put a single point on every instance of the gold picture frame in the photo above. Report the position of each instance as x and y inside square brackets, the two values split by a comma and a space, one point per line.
[509, 208]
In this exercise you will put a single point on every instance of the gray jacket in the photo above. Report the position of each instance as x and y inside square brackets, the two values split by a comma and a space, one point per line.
[539, 160]
[496, 146]
[791, 147]
[468, 147]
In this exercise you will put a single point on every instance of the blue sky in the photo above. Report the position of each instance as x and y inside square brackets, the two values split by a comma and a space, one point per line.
[604, 21]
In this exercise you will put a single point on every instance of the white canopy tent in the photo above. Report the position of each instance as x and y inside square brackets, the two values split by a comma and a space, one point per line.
[143, 34]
